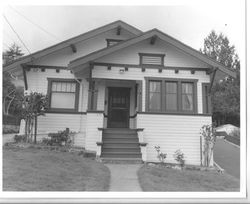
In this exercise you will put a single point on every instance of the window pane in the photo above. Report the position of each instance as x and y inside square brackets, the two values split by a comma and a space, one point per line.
[187, 96]
[187, 88]
[73, 87]
[64, 87]
[63, 100]
[54, 86]
[155, 86]
[171, 101]
[171, 87]
[155, 101]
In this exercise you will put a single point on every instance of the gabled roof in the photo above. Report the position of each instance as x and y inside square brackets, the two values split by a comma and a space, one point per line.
[26, 59]
[74, 64]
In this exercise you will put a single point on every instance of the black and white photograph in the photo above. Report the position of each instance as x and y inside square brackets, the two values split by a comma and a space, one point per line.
[124, 103]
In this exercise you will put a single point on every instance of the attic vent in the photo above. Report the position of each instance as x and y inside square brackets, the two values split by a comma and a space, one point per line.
[111, 42]
[151, 59]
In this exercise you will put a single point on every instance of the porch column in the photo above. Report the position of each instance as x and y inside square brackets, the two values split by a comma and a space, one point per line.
[139, 96]
[91, 89]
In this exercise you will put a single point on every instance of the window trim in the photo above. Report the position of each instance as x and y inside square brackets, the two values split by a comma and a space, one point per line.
[141, 55]
[49, 92]
[179, 81]
[113, 40]
[204, 101]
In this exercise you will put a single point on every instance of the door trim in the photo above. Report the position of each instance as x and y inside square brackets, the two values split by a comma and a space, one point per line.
[128, 89]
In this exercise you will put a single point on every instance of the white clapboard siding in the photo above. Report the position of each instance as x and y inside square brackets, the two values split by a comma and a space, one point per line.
[172, 132]
[38, 82]
[52, 123]
[94, 121]
[137, 74]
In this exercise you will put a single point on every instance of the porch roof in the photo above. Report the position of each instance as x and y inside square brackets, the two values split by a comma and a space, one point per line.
[83, 62]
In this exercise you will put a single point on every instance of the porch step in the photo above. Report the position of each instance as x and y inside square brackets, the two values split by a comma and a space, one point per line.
[122, 150]
[120, 140]
[121, 155]
[122, 134]
[122, 161]
[119, 130]
[120, 145]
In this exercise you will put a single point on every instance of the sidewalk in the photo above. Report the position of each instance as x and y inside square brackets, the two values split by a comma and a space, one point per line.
[124, 177]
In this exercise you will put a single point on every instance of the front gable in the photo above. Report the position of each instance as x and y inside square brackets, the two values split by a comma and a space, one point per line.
[173, 57]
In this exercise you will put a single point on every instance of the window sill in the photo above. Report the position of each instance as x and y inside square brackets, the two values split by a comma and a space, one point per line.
[176, 113]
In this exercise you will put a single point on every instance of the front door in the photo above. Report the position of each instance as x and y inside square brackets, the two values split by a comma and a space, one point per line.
[118, 107]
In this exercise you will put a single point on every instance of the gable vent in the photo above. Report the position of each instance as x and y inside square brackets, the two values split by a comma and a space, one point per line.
[151, 59]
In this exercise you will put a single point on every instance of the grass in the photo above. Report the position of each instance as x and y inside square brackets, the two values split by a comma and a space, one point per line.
[166, 179]
[44, 170]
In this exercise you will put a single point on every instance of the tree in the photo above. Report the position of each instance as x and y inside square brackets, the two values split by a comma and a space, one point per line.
[14, 52]
[225, 95]
[11, 94]
[34, 105]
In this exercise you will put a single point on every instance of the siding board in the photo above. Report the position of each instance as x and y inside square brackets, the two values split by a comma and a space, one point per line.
[172, 132]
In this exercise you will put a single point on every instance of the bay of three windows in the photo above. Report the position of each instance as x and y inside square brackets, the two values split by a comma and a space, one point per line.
[171, 96]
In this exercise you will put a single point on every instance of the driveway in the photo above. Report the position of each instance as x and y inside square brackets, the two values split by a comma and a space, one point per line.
[228, 157]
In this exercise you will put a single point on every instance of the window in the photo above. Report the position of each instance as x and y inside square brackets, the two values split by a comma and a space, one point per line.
[151, 59]
[111, 42]
[171, 95]
[64, 94]
[155, 95]
[206, 100]
[187, 95]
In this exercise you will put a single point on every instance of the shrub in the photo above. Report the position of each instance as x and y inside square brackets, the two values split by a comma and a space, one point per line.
[179, 157]
[59, 138]
[160, 155]
[19, 138]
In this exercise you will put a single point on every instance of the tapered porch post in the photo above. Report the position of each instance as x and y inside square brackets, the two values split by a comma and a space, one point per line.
[91, 88]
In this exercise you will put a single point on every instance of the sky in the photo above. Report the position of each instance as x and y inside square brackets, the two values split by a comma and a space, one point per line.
[188, 22]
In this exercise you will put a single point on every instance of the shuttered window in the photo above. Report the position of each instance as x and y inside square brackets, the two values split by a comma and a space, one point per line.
[151, 59]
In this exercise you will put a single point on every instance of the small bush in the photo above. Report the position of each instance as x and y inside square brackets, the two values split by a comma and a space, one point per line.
[60, 138]
[179, 157]
[160, 155]
[19, 138]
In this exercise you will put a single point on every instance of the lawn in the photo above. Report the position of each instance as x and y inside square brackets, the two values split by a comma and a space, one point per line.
[167, 179]
[45, 170]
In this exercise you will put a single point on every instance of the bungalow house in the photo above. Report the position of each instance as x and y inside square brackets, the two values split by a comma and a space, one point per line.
[124, 91]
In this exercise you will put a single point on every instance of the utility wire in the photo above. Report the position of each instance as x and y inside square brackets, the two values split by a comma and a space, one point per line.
[16, 34]
[44, 30]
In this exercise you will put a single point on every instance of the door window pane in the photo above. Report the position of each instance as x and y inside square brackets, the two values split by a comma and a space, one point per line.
[187, 96]
[155, 95]
[171, 96]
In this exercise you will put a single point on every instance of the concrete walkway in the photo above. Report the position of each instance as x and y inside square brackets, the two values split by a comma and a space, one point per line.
[124, 177]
